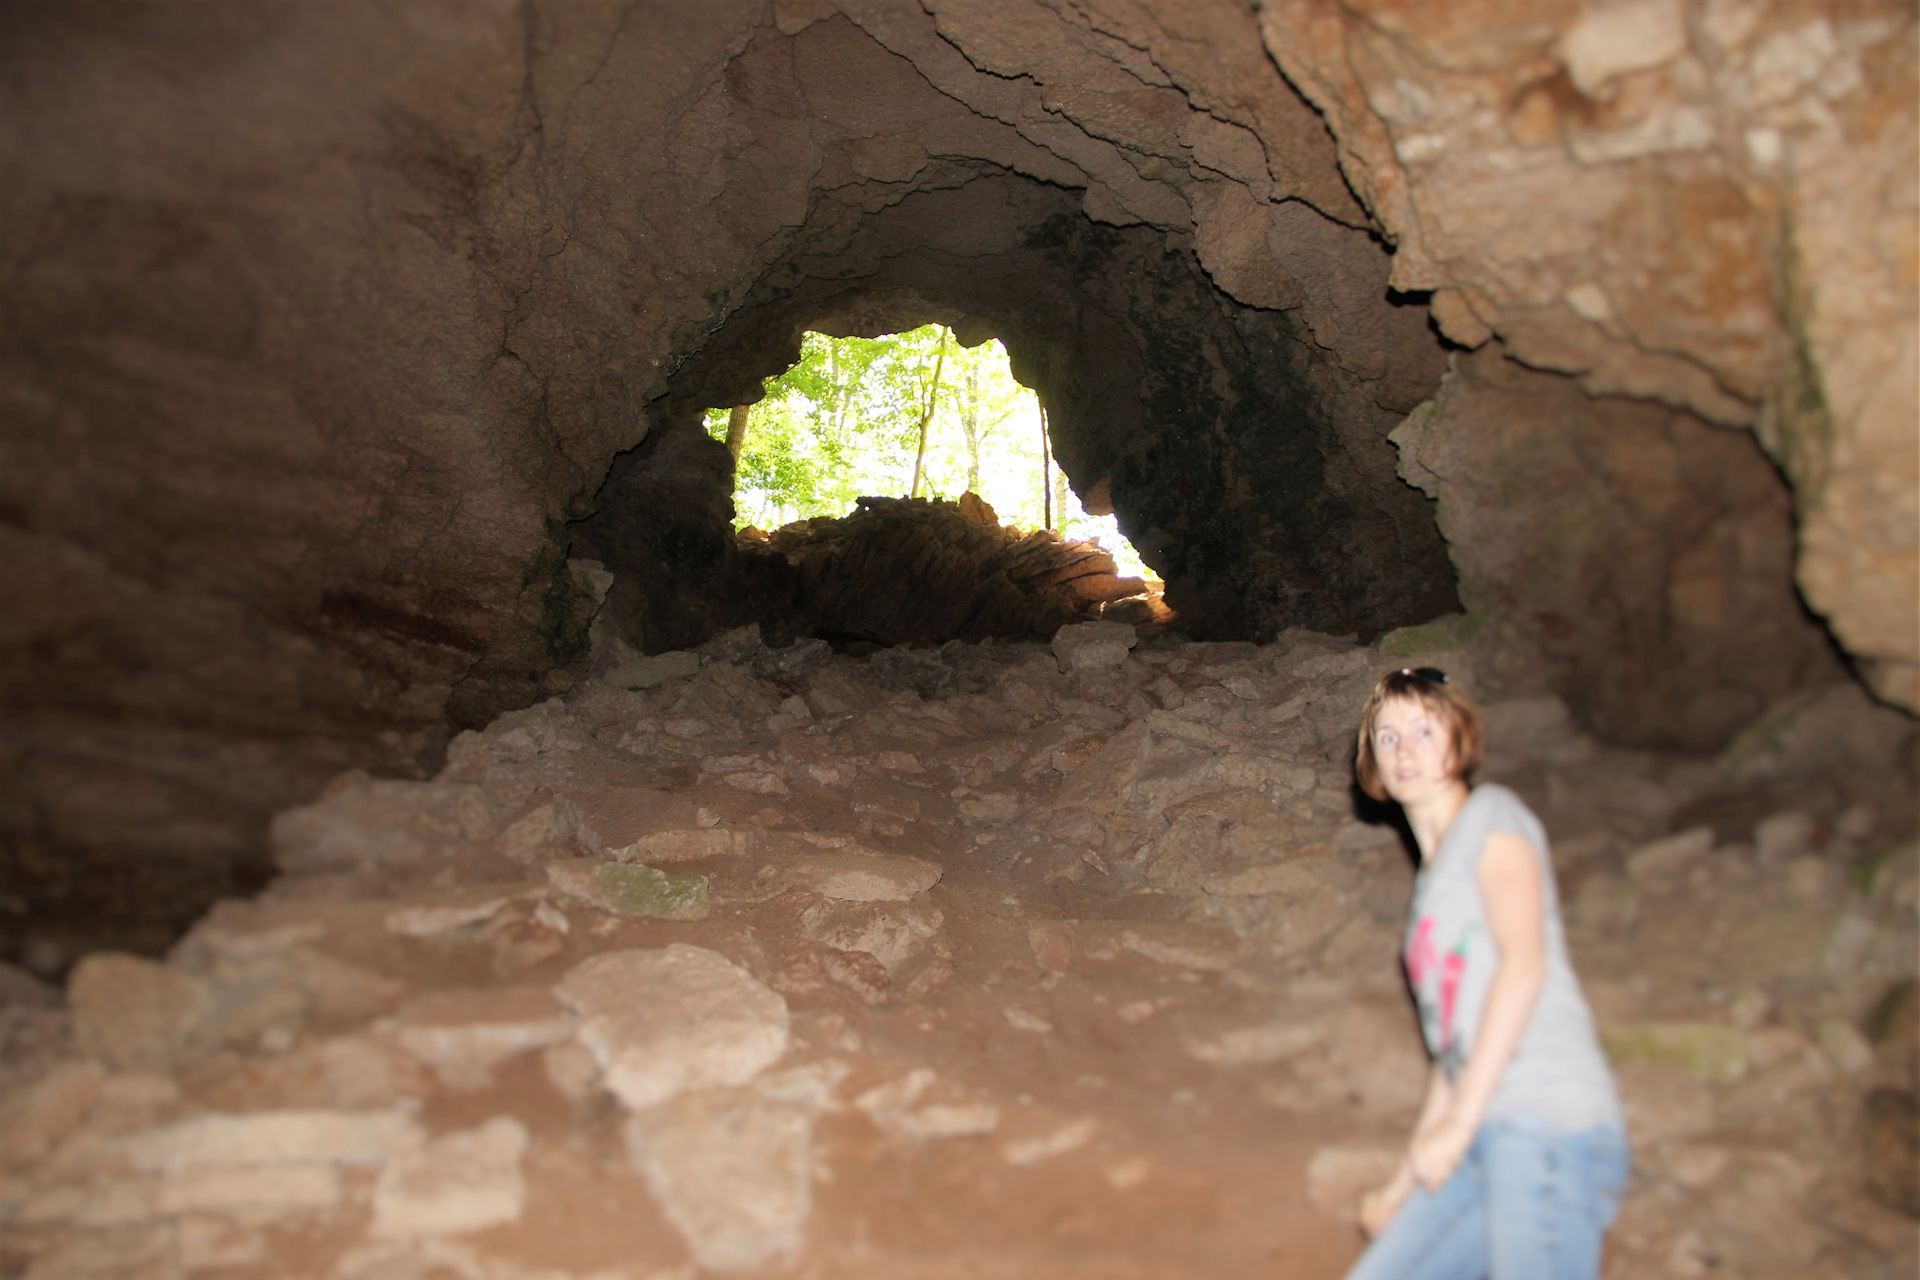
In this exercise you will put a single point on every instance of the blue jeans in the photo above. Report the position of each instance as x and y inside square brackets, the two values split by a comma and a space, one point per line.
[1530, 1201]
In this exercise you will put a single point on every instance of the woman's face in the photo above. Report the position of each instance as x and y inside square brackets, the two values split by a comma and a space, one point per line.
[1414, 750]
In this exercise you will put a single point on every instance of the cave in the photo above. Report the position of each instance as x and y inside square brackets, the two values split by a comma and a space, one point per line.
[355, 358]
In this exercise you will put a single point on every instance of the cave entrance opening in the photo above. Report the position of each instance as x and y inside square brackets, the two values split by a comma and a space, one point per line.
[919, 413]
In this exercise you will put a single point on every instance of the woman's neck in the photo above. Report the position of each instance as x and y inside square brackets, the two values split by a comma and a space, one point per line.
[1431, 817]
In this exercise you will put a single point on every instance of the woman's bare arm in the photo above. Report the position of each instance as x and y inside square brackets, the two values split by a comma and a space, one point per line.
[1439, 1098]
[1378, 1206]
[1510, 888]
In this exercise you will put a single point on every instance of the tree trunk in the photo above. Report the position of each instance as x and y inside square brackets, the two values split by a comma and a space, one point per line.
[737, 430]
[1046, 473]
[970, 427]
[926, 417]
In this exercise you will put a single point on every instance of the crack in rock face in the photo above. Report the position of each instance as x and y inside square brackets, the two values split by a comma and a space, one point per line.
[352, 361]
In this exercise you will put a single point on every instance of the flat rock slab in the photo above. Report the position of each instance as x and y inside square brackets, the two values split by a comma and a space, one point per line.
[464, 1033]
[688, 844]
[852, 875]
[245, 931]
[275, 1138]
[631, 890]
[662, 1022]
[890, 934]
[734, 1172]
[460, 1182]
[654, 670]
[270, 1189]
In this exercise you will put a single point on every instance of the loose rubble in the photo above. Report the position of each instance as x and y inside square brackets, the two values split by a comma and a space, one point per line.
[994, 959]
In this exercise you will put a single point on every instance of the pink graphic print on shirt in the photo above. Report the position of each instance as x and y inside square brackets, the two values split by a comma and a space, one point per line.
[1420, 961]
[1420, 950]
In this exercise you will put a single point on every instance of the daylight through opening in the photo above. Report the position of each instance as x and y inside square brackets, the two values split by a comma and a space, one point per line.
[911, 414]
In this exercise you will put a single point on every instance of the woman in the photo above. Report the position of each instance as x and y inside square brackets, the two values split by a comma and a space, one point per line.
[1519, 1157]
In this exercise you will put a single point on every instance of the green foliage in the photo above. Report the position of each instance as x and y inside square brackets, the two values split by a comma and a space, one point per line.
[843, 422]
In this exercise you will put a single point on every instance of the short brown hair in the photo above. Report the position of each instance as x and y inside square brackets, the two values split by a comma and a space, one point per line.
[1443, 700]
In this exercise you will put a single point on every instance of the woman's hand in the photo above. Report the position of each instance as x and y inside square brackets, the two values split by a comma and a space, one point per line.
[1377, 1207]
[1437, 1150]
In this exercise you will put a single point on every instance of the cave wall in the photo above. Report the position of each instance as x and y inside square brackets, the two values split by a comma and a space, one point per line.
[1708, 203]
[1645, 554]
[320, 324]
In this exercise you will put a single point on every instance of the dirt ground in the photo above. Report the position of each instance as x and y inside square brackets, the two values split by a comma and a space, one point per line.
[987, 961]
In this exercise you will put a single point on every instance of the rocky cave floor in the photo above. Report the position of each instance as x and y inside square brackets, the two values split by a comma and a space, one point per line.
[951, 963]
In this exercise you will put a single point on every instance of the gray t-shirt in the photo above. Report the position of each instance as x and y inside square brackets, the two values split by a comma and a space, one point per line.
[1558, 1073]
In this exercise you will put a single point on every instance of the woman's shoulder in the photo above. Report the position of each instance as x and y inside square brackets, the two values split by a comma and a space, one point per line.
[1497, 806]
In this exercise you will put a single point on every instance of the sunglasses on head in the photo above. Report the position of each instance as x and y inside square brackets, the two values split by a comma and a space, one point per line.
[1432, 675]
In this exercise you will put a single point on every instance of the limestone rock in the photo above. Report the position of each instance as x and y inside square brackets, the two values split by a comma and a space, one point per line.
[899, 1108]
[460, 1182]
[891, 934]
[733, 1169]
[38, 1118]
[791, 662]
[1255, 1045]
[630, 890]
[1052, 944]
[1090, 646]
[662, 1022]
[1071, 1136]
[553, 831]
[1658, 863]
[362, 821]
[457, 909]
[1783, 837]
[464, 1033]
[361, 1071]
[352, 1138]
[652, 671]
[272, 1189]
[695, 844]
[1183, 947]
[863, 876]
[136, 1015]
